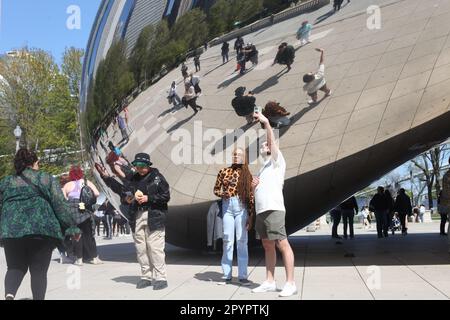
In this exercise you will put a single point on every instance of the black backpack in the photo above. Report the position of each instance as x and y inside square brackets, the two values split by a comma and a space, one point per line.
[88, 197]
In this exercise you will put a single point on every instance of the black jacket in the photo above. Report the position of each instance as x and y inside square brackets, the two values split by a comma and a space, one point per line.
[244, 105]
[153, 185]
[286, 56]
[379, 202]
[350, 204]
[403, 204]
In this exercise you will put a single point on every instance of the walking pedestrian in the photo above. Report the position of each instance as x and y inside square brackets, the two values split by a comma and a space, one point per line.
[33, 217]
[85, 249]
[348, 209]
[422, 211]
[123, 129]
[173, 96]
[225, 50]
[234, 186]
[285, 55]
[197, 63]
[238, 44]
[336, 217]
[190, 97]
[403, 207]
[184, 71]
[380, 205]
[304, 32]
[195, 81]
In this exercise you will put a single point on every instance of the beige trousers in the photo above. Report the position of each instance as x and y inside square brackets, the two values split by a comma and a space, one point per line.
[150, 249]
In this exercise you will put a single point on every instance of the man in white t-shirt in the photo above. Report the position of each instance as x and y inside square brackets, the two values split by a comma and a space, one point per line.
[270, 213]
[316, 81]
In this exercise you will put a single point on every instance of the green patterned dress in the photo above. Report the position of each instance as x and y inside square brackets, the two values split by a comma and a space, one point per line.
[24, 212]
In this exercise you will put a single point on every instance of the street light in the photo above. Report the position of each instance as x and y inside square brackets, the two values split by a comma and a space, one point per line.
[17, 134]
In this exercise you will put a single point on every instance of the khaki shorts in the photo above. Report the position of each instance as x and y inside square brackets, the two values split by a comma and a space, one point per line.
[271, 225]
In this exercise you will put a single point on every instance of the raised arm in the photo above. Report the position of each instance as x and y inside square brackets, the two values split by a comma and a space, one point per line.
[271, 143]
[321, 55]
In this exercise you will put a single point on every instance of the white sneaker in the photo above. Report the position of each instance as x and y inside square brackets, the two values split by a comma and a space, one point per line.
[78, 262]
[266, 287]
[289, 289]
[95, 261]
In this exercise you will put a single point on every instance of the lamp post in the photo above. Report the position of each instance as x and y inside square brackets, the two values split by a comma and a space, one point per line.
[17, 134]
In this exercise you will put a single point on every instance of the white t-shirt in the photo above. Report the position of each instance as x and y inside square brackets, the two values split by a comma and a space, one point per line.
[422, 209]
[318, 82]
[269, 192]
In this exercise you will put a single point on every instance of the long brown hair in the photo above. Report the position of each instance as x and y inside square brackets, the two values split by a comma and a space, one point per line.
[244, 187]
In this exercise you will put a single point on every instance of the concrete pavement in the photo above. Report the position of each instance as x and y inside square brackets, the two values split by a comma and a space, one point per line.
[366, 268]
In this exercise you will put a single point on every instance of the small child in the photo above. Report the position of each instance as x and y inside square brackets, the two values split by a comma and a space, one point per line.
[304, 32]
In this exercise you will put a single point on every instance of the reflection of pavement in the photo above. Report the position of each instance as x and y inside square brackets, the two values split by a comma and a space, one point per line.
[378, 79]
[411, 267]
[387, 84]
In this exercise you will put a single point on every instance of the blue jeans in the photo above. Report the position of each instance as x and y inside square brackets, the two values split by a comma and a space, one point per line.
[234, 220]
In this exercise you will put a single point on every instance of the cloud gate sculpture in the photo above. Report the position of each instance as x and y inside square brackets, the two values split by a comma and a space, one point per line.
[390, 102]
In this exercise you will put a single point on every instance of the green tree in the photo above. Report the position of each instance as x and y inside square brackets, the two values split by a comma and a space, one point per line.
[138, 59]
[72, 68]
[243, 10]
[191, 29]
[37, 95]
[112, 84]
[218, 18]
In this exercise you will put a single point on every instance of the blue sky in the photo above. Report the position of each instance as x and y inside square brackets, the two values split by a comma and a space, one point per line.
[42, 24]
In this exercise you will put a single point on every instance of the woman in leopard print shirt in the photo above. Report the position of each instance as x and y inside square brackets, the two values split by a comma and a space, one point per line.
[233, 185]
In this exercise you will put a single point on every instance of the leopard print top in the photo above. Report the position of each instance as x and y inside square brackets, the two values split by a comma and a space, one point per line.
[227, 180]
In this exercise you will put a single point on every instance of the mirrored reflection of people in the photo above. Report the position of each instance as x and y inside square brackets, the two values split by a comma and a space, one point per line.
[234, 186]
[33, 217]
[277, 115]
[444, 202]
[184, 70]
[225, 49]
[123, 129]
[85, 249]
[285, 55]
[403, 207]
[119, 166]
[270, 213]
[316, 81]
[251, 54]
[244, 104]
[190, 97]
[348, 209]
[380, 204]
[173, 95]
[195, 81]
[238, 44]
[148, 197]
[304, 32]
[197, 63]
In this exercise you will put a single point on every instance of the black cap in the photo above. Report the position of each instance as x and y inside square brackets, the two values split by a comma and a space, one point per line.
[142, 158]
